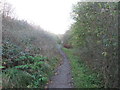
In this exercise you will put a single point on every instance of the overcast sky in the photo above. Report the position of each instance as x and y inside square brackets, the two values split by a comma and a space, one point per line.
[51, 15]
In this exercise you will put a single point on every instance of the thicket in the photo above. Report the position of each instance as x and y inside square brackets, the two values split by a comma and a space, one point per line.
[29, 54]
[95, 33]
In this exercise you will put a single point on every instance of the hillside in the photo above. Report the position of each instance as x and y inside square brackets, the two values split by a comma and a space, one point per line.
[26, 48]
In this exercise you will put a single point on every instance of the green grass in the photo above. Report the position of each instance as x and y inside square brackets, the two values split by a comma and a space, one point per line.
[83, 77]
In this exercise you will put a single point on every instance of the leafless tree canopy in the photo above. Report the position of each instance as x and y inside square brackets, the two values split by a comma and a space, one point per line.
[7, 9]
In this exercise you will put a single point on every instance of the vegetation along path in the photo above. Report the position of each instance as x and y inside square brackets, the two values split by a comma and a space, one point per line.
[62, 78]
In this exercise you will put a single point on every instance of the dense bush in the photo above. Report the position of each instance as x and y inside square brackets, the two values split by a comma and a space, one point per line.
[29, 37]
[95, 33]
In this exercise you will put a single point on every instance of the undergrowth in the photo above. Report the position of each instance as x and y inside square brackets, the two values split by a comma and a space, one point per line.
[29, 55]
[83, 76]
[25, 70]
[32, 72]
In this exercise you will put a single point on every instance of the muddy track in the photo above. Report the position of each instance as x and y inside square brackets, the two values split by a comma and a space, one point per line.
[62, 78]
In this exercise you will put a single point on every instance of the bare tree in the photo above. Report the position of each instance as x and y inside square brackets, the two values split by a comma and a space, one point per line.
[7, 9]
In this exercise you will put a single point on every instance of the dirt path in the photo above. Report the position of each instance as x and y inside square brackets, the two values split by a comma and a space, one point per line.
[63, 77]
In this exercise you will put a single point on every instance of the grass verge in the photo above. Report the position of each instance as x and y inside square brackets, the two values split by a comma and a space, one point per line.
[83, 76]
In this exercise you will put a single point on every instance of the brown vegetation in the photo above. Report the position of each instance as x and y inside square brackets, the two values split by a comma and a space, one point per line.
[68, 46]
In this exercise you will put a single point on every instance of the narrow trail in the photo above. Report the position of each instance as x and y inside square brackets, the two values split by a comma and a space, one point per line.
[63, 79]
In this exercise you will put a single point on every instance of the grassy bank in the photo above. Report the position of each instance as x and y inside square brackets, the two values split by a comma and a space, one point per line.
[83, 77]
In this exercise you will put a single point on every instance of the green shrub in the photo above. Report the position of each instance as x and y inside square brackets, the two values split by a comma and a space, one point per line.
[36, 67]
